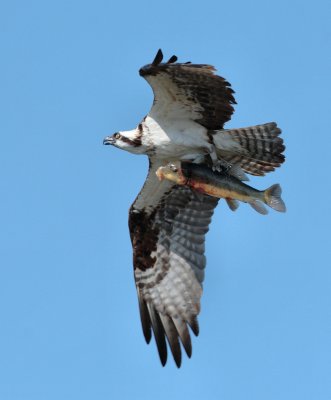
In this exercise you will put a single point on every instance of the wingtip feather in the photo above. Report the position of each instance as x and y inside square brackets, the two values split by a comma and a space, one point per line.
[158, 58]
[144, 318]
[172, 337]
[194, 325]
[172, 59]
[184, 335]
[159, 334]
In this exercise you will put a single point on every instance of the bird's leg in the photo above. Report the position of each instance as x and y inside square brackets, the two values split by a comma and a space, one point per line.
[199, 159]
[194, 158]
[216, 163]
[220, 165]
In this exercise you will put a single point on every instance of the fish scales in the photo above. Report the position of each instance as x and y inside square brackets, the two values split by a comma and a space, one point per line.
[222, 184]
[218, 184]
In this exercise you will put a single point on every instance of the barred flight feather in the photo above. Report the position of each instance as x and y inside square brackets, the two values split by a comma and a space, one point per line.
[257, 149]
[169, 282]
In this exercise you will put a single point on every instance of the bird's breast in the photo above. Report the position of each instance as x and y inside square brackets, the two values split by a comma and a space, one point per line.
[175, 139]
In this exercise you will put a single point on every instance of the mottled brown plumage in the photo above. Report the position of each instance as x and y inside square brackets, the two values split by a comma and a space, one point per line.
[195, 84]
[169, 261]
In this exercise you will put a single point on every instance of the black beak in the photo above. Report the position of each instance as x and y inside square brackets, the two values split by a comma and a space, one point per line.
[109, 140]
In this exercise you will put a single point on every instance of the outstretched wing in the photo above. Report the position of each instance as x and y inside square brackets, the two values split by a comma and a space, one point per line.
[167, 227]
[192, 91]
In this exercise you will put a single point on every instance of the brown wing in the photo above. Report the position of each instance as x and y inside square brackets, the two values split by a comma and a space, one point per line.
[167, 229]
[190, 91]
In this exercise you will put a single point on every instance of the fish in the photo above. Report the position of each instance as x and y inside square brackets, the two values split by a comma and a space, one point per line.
[221, 184]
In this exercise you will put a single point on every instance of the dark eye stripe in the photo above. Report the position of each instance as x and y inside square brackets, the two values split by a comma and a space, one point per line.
[134, 143]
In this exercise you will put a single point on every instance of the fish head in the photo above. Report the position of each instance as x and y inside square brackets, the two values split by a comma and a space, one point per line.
[172, 172]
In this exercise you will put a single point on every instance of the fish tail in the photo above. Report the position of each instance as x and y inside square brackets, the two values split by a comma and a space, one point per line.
[273, 198]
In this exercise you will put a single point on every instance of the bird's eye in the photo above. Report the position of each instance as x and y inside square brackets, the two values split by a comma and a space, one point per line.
[117, 136]
[173, 168]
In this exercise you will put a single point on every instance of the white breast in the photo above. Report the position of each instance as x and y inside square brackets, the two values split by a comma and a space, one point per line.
[175, 138]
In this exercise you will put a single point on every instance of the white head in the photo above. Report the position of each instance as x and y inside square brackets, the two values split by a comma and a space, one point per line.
[128, 140]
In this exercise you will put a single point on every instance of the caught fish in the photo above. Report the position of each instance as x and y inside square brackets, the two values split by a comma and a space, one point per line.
[222, 185]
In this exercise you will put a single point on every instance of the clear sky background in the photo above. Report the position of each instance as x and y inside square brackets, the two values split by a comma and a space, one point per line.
[69, 321]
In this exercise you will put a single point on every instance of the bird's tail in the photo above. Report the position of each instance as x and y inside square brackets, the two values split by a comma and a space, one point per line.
[256, 149]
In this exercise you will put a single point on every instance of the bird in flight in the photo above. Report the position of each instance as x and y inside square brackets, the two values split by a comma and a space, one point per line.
[168, 222]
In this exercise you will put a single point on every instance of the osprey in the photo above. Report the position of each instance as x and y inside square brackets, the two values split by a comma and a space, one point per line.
[168, 222]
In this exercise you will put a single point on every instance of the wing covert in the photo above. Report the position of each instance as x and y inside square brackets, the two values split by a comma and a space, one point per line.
[192, 91]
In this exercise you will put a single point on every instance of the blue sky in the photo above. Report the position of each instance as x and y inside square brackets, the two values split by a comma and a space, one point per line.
[70, 327]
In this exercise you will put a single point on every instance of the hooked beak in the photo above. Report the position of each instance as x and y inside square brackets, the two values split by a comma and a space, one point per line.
[109, 140]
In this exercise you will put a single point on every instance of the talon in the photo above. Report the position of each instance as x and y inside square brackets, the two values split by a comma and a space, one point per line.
[217, 164]
[217, 167]
[221, 166]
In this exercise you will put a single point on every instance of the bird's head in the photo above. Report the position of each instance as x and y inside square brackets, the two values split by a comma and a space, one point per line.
[127, 140]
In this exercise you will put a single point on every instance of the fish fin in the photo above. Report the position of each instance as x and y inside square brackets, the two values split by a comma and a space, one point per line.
[258, 206]
[232, 203]
[273, 198]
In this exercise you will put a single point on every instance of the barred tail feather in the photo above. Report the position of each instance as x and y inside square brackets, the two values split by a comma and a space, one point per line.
[257, 149]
